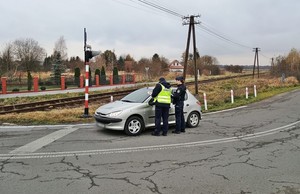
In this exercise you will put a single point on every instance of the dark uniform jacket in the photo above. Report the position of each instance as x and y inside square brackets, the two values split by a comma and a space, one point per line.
[179, 94]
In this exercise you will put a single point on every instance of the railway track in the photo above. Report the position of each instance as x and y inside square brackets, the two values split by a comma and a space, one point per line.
[63, 102]
[75, 101]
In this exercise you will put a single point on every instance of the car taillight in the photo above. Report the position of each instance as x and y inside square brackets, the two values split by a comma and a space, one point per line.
[198, 102]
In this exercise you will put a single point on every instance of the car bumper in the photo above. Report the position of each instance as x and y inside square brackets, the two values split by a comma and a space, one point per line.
[109, 123]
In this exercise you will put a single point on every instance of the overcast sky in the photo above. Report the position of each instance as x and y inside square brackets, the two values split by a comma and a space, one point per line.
[229, 29]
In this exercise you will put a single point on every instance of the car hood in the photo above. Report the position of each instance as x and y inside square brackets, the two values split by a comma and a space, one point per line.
[116, 106]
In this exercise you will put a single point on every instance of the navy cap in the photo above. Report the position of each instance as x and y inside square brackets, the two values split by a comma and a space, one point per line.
[179, 78]
[162, 79]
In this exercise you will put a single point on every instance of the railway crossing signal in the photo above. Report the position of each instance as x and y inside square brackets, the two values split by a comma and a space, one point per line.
[88, 54]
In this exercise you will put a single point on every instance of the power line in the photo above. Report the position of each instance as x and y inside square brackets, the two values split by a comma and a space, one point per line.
[166, 10]
[265, 56]
[139, 7]
[211, 32]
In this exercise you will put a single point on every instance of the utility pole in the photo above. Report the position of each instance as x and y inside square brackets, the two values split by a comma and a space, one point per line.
[191, 22]
[256, 61]
[272, 65]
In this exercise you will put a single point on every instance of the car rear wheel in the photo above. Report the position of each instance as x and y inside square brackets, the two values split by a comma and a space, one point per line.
[193, 119]
[134, 126]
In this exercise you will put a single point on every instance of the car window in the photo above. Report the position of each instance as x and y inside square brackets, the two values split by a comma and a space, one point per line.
[138, 96]
[185, 96]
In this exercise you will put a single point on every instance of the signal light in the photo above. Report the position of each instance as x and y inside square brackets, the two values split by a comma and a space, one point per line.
[91, 54]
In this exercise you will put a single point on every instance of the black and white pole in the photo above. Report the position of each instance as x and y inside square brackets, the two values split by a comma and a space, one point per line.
[87, 67]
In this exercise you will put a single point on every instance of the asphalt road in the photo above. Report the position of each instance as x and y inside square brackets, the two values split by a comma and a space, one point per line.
[253, 149]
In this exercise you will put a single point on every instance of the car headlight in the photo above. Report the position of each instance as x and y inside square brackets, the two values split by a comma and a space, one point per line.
[114, 114]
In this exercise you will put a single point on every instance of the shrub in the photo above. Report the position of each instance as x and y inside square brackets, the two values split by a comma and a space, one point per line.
[77, 76]
[29, 81]
[15, 90]
[49, 83]
[115, 76]
[43, 88]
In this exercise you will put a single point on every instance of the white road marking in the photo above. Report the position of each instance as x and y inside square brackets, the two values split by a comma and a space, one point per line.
[37, 127]
[226, 110]
[39, 143]
[146, 148]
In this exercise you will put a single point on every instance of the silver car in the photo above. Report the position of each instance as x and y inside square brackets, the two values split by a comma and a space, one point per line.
[133, 114]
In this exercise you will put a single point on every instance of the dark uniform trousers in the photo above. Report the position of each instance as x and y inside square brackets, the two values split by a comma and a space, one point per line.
[161, 112]
[180, 123]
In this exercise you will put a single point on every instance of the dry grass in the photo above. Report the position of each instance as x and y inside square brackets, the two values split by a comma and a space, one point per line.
[56, 116]
[218, 93]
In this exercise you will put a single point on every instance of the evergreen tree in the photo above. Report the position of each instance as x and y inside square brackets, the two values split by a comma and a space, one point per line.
[77, 76]
[57, 68]
[56, 74]
[115, 76]
[103, 76]
[29, 80]
[121, 63]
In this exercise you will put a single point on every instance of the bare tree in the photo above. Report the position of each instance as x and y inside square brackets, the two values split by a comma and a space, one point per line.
[7, 64]
[60, 47]
[293, 61]
[156, 65]
[110, 59]
[142, 64]
[28, 53]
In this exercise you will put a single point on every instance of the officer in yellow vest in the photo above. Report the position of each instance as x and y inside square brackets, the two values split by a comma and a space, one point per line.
[162, 95]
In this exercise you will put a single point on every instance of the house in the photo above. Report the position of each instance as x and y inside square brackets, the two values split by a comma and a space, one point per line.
[176, 66]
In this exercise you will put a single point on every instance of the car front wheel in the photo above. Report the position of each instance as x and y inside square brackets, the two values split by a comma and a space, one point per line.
[193, 119]
[134, 126]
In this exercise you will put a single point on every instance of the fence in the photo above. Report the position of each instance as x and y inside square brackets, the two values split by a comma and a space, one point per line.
[11, 85]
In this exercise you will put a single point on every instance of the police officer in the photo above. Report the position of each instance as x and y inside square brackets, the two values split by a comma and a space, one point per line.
[178, 101]
[162, 96]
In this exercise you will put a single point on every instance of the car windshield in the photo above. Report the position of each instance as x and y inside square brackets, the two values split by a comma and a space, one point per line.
[138, 96]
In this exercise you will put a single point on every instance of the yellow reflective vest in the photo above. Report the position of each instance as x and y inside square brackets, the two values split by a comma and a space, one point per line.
[164, 95]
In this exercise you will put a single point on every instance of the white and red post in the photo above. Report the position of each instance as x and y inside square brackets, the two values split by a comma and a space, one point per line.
[205, 101]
